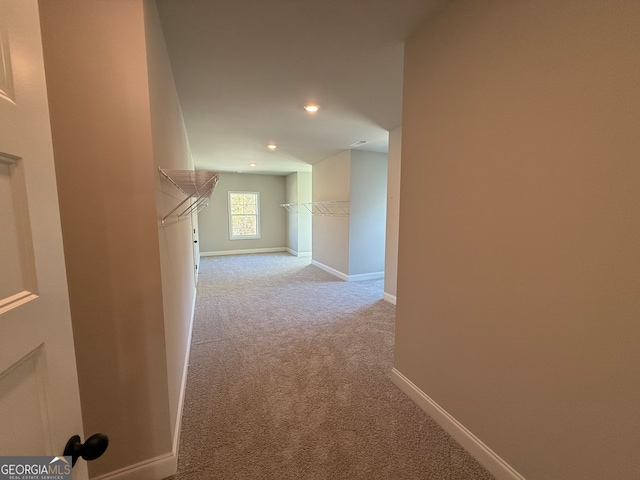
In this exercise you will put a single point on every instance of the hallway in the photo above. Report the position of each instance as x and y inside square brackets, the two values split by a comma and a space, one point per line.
[289, 379]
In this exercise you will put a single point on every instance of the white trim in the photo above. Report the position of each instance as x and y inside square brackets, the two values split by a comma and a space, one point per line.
[332, 271]
[16, 300]
[366, 276]
[389, 298]
[298, 254]
[348, 278]
[162, 466]
[183, 386]
[481, 452]
[231, 215]
[243, 252]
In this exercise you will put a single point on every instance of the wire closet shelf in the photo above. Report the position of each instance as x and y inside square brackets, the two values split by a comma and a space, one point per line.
[196, 185]
[336, 208]
[289, 207]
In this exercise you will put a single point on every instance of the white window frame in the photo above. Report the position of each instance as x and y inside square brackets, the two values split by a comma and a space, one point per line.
[231, 215]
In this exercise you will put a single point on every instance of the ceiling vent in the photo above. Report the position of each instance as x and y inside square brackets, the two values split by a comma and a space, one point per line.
[357, 144]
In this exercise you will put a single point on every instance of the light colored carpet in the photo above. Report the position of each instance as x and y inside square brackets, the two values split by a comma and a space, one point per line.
[289, 379]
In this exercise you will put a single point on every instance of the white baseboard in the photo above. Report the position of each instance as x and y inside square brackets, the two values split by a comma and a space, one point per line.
[154, 469]
[243, 252]
[165, 465]
[365, 276]
[344, 276]
[472, 444]
[389, 298]
[332, 271]
[298, 254]
[183, 386]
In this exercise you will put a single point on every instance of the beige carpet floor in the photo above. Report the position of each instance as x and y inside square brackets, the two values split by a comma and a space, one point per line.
[289, 379]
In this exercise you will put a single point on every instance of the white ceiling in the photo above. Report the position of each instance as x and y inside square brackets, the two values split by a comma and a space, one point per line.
[245, 68]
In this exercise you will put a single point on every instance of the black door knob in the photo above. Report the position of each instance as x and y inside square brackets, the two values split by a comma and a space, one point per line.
[91, 449]
[195, 241]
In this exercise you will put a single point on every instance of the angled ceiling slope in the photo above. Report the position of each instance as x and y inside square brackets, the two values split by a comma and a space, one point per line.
[244, 70]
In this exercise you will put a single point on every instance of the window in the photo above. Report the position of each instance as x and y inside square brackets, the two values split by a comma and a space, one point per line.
[244, 215]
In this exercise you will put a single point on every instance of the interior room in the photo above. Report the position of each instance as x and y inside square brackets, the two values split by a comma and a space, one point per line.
[466, 173]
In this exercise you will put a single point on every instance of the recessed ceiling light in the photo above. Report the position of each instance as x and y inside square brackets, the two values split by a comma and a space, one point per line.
[252, 164]
[272, 146]
[311, 107]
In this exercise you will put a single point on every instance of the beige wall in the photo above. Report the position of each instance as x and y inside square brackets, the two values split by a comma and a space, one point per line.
[331, 234]
[518, 270]
[393, 215]
[368, 212]
[115, 118]
[171, 151]
[291, 196]
[214, 220]
[353, 246]
[298, 191]
[305, 220]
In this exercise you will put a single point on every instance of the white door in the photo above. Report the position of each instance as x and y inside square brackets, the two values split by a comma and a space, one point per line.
[39, 399]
